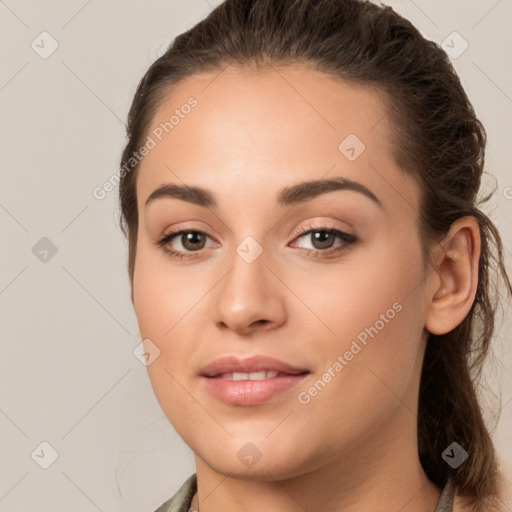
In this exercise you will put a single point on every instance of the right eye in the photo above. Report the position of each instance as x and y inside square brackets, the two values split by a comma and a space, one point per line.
[189, 240]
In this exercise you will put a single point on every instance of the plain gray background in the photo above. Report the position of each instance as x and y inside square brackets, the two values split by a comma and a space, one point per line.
[69, 376]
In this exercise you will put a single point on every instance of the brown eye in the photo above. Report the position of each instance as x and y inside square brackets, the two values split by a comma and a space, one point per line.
[323, 240]
[193, 240]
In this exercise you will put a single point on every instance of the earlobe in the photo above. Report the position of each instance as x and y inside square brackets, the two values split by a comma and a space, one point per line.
[452, 284]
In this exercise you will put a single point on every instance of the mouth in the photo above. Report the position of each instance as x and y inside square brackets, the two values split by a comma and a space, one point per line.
[251, 381]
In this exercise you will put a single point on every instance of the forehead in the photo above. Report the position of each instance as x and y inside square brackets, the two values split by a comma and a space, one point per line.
[279, 125]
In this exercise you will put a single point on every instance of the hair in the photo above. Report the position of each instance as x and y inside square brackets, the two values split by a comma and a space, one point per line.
[437, 139]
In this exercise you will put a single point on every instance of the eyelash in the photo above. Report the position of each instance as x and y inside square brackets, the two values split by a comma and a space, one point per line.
[346, 237]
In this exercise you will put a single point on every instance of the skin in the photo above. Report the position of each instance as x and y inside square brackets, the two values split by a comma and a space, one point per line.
[353, 447]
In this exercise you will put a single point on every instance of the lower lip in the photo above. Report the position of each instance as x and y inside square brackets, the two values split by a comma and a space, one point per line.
[250, 392]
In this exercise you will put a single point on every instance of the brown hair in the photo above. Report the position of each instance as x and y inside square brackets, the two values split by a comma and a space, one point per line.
[437, 139]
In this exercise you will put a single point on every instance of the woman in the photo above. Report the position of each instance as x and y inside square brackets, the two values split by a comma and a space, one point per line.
[308, 262]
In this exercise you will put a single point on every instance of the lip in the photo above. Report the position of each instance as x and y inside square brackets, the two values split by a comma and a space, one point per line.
[256, 363]
[250, 392]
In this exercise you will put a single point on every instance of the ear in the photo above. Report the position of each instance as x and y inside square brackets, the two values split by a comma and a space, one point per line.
[452, 284]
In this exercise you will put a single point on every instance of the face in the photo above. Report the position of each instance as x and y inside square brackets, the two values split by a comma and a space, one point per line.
[325, 278]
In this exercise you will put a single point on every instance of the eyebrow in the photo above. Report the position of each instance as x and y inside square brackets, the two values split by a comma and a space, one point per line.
[292, 195]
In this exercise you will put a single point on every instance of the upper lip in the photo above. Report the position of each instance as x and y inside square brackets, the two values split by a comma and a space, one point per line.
[256, 363]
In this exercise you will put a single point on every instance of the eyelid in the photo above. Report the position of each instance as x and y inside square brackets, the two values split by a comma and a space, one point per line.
[320, 225]
[187, 227]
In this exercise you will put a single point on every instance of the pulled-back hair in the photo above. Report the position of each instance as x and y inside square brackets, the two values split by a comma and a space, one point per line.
[437, 139]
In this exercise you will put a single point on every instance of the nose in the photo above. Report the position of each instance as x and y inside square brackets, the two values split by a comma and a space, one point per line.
[250, 297]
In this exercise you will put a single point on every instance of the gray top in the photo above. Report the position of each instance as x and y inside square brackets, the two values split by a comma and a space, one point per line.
[181, 501]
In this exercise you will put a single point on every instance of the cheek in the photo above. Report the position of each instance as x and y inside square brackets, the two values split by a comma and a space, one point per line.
[163, 295]
[146, 294]
[370, 289]
[167, 311]
[376, 312]
[163, 307]
[380, 362]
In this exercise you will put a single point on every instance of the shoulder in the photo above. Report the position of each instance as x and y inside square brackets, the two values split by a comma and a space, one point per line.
[461, 504]
[180, 501]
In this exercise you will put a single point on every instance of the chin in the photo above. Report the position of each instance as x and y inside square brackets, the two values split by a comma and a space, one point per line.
[254, 461]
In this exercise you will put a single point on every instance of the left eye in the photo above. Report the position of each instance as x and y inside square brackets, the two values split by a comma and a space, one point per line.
[190, 240]
[323, 239]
